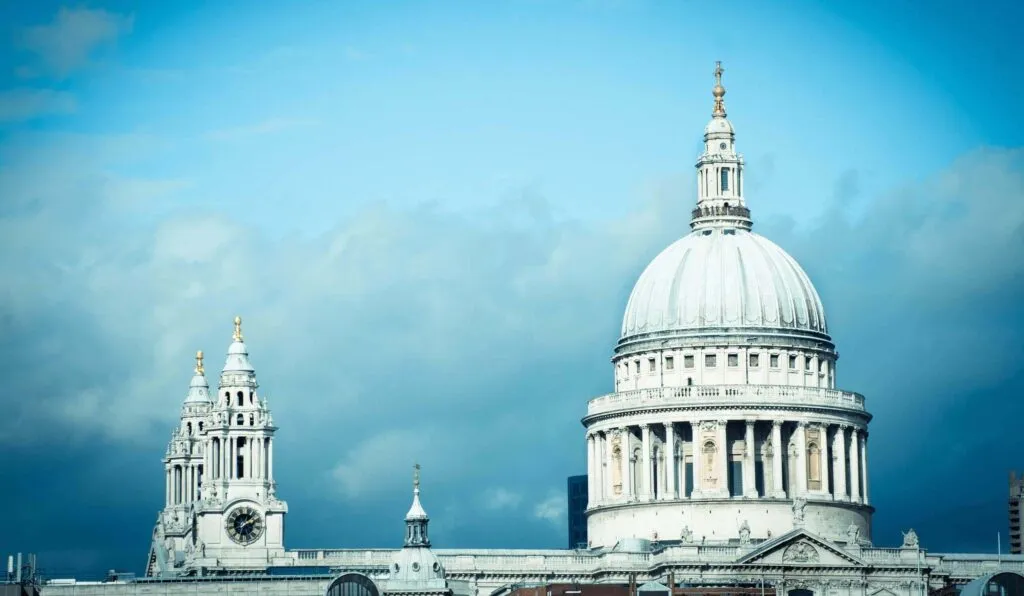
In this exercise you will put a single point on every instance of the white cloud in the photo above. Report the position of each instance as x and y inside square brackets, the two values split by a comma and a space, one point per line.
[17, 105]
[496, 499]
[552, 508]
[67, 43]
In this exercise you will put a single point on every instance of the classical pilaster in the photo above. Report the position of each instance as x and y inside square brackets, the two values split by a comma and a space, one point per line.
[749, 484]
[669, 492]
[698, 474]
[778, 449]
[839, 465]
[855, 465]
[864, 468]
[646, 488]
[801, 458]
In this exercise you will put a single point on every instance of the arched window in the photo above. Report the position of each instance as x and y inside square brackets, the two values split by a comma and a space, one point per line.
[708, 465]
[200, 426]
[252, 420]
[227, 398]
[188, 426]
[240, 459]
[352, 584]
[240, 398]
[240, 419]
[725, 179]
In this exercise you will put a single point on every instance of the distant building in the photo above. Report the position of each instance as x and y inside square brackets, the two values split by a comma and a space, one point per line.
[1016, 501]
[577, 492]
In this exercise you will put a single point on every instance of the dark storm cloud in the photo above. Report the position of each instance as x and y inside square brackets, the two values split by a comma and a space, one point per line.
[469, 343]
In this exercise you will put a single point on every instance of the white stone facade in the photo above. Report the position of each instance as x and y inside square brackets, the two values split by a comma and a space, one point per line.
[725, 455]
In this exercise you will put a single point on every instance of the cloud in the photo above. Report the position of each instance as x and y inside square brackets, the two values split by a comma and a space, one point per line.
[501, 498]
[469, 342]
[552, 508]
[17, 105]
[273, 125]
[68, 42]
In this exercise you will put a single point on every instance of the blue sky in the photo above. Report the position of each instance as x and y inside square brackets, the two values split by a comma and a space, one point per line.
[430, 215]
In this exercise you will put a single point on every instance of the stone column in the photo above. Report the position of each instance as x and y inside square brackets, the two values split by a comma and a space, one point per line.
[801, 458]
[670, 462]
[823, 460]
[698, 482]
[591, 475]
[749, 483]
[839, 464]
[627, 482]
[646, 486]
[609, 477]
[270, 459]
[170, 486]
[778, 450]
[855, 465]
[723, 458]
[864, 468]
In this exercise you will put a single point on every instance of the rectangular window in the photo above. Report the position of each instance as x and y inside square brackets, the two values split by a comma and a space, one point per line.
[792, 362]
[754, 361]
[709, 360]
[636, 367]
[773, 361]
[807, 363]
[670, 363]
[725, 179]
[688, 361]
[734, 360]
[651, 366]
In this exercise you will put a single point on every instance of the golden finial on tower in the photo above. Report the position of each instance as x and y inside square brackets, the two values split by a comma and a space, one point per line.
[238, 329]
[719, 91]
[199, 363]
[416, 476]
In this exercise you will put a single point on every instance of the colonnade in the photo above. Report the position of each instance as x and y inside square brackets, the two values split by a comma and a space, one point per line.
[223, 458]
[697, 459]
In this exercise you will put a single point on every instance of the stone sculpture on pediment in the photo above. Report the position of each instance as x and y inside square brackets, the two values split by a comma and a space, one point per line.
[744, 533]
[853, 534]
[910, 539]
[801, 552]
[799, 504]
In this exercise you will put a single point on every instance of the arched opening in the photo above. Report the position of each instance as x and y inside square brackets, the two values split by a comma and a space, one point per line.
[240, 458]
[240, 419]
[637, 468]
[227, 398]
[656, 488]
[252, 420]
[352, 584]
[188, 427]
[800, 592]
[725, 179]
[240, 398]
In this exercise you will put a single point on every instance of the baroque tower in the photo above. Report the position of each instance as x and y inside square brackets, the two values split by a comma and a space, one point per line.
[224, 513]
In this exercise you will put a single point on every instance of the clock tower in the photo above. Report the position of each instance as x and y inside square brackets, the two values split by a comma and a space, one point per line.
[222, 512]
[239, 521]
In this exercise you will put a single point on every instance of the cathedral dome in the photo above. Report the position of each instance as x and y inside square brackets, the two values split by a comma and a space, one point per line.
[723, 279]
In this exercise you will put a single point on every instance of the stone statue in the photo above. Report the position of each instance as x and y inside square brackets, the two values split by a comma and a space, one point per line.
[687, 535]
[200, 547]
[799, 504]
[169, 546]
[910, 539]
[744, 533]
[853, 534]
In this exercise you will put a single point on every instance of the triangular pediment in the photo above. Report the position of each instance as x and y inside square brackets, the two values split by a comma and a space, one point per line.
[800, 548]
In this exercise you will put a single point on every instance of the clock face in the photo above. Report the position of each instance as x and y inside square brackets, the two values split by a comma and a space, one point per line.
[244, 525]
[722, 146]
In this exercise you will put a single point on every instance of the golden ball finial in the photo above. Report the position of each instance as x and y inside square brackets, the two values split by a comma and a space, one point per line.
[238, 329]
[718, 91]
[199, 362]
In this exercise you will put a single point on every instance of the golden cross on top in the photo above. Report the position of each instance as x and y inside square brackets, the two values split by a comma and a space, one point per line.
[718, 72]
[199, 362]
[238, 329]
[416, 476]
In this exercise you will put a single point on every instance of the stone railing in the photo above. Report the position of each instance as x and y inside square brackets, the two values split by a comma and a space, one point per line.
[725, 394]
[720, 211]
[344, 557]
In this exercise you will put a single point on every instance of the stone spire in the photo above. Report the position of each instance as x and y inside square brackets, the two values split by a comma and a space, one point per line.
[237, 367]
[416, 519]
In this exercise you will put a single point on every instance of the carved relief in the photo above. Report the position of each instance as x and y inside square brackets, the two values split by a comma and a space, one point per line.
[801, 552]
[708, 426]
[744, 533]
[853, 534]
